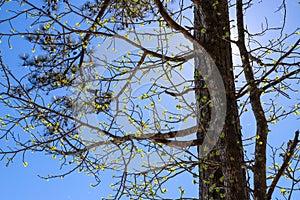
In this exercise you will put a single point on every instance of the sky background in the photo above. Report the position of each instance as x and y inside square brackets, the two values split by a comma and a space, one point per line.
[19, 182]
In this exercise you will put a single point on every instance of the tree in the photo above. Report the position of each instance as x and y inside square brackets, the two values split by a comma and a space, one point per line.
[101, 94]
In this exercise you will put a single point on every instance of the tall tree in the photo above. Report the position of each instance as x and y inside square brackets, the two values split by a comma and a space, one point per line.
[107, 86]
[212, 29]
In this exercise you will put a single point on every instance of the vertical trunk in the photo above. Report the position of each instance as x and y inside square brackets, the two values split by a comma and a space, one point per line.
[260, 179]
[212, 28]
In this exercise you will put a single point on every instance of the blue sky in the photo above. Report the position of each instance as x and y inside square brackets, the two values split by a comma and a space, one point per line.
[19, 182]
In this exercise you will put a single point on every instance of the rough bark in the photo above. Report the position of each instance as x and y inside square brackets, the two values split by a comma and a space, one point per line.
[212, 29]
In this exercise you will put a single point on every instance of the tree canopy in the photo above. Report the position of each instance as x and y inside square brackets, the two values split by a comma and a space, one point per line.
[151, 92]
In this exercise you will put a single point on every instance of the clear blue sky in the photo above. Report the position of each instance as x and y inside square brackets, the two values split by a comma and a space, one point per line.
[18, 182]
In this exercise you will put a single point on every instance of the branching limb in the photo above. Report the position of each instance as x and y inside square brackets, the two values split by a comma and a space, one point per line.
[287, 158]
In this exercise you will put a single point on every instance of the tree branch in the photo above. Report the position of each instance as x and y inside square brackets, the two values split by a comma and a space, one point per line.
[172, 23]
[287, 157]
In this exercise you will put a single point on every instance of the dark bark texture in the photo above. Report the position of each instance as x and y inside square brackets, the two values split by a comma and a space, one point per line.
[227, 179]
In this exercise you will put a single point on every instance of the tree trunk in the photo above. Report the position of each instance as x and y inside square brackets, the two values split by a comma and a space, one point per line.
[259, 170]
[226, 180]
